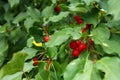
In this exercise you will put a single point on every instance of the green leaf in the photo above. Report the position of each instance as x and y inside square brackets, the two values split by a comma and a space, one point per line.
[58, 38]
[74, 1]
[2, 29]
[52, 53]
[62, 53]
[30, 79]
[48, 11]
[33, 13]
[13, 2]
[57, 18]
[33, 16]
[2, 57]
[91, 17]
[15, 35]
[89, 1]
[3, 44]
[53, 1]
[61, 36]
[21, 16]
[16, 76]
[103, 4]
[42, 74]
[57, 67]
[111, 67]
[3, 48]
[76, 8]
[114, 25]
[8, 16]
[90, 73]
[29, 23]
[75, 33]
[14, 65]
[113, 8]
[111, 47]
[73, 68]
[29, 42]
[100, 34]
[81, 69]
[28, 67]
[30, 52]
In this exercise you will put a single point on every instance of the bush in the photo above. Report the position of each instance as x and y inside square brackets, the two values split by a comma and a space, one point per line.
[59, 40]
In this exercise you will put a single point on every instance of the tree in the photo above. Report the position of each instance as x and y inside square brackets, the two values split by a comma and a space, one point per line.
[59, 40]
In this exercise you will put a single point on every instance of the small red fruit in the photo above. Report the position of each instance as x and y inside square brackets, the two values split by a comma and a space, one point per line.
[82, 47]
[46, 38]
[73, 45]
[79, 21]
[88, 26]
[78, 42]
[35, 61]
[57, 9]
[91, 42]
[83, 30]
[75, 53]
[77, 18]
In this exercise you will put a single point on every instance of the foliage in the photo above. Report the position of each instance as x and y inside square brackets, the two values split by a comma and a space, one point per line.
[25, 23]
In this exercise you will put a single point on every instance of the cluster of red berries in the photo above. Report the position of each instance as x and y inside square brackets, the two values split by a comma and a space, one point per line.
[78, 19]
[35, 61]
[77, 47]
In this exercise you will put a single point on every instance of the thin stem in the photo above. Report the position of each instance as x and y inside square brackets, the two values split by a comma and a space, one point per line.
[48, 64]
[95, 52]
[27, 78]
[55, 71]
[41, 54]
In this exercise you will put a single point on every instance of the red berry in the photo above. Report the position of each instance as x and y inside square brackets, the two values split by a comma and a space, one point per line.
[73, 45]
[83, 30]
[88, 26]
[82, 47]
[35, 61]
[91, 42]
[78, 43]
[75, 53]
[46, 38]
[77, 17]
[79, 21]
[57, 9]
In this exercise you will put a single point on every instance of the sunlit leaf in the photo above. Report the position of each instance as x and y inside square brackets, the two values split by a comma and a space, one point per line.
[113, 8]
[14, 65]
[57, 18]
[13, 2]
[110, 66]
[58, 38]
[16, 76]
